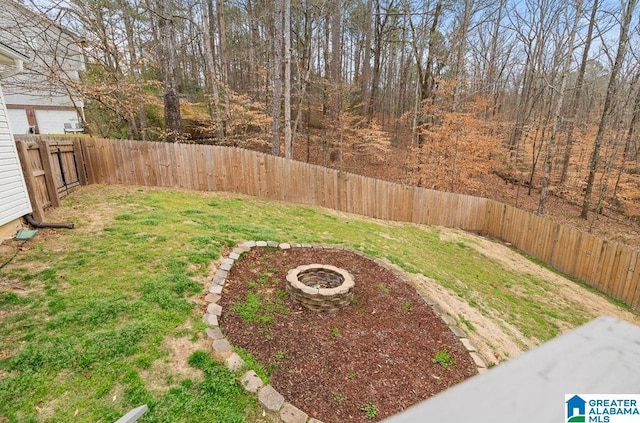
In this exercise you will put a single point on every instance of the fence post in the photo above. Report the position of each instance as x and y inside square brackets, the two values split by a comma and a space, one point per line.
[45, 156]
[27, 171]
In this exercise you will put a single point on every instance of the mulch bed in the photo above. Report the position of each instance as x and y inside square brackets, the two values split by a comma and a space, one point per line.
[378, 351]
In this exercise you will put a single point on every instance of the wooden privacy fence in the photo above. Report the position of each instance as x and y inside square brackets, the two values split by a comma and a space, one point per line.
[51, 169]
[607, 266]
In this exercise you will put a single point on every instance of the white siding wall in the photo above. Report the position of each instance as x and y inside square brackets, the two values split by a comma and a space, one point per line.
[54, 53]
[18, 120]
[52, 121]
[14, 199]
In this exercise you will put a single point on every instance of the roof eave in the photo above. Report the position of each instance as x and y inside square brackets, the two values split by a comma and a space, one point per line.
[12, 57]
[12, 54]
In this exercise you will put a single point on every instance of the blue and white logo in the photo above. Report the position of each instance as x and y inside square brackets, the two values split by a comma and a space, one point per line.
[575, 408]
[602, 408]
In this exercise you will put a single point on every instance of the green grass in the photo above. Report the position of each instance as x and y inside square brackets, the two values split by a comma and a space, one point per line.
[466, 322]
[259, 306]
[383, 288]
[370, 410]
[89, 336]
[251, 363]
[444, 359]
[406, 306]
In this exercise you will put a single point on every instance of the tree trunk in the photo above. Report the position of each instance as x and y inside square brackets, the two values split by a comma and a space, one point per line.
[166, 47]
[222, 38]
[491, 76]
[551, 144]
[635, 119]
[304, 71]
[461, 48]
[277, 79]
[336, 55]
[573, 115]
[210, 69]
[288, 141]
[135, 70]
[377, 58]
[254, 37]
[366, 60]
[428, 82]
[608, 104]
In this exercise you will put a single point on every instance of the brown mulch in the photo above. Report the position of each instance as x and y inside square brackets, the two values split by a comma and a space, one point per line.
[377, 351]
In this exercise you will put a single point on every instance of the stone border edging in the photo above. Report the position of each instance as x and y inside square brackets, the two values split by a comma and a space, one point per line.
[270, 399]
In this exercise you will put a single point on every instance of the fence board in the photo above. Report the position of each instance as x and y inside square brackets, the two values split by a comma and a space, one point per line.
[200, 167]
[599, 248]
[613, 278]
[30, 181]
[609, 255]
[494, 219]
[566, 249]
[110, 168]
[621, 273]
[41, 193]
[635, 303]
[547, 246]
[147, 174]
[506, 227]
[583, 270]
[96, 161]
[49, 175]
[80, 161]
[147, 167]
[633, 276]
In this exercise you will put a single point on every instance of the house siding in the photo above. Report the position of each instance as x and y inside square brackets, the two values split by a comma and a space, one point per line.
[55, 60]
[14, 199]
[18, 120]
[52, 121]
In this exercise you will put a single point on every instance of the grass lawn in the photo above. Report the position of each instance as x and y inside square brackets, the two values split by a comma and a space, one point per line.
[106, 317]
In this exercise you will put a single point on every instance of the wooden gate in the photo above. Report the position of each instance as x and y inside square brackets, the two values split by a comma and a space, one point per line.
[51, 168]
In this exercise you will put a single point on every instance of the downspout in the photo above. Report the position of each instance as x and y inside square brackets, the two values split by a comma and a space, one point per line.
[31, 221]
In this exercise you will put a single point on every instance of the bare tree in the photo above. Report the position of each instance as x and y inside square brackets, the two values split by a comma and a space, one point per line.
[366, 60]
[222, 43]
[167, 58]
[288, 141]
[426, 73]
[336, 57]
[461, 34]
[210, 69]
[277, 78]
[551, 144]
[608, 103]
[573, 115]
[127, 19]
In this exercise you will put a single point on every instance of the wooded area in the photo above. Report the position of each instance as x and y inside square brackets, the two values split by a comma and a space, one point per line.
[543, 93]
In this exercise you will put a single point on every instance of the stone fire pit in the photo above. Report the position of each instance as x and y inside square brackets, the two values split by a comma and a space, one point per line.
[320, 287]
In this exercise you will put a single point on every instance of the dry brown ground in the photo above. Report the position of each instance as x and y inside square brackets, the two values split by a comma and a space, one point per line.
[494, 337]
